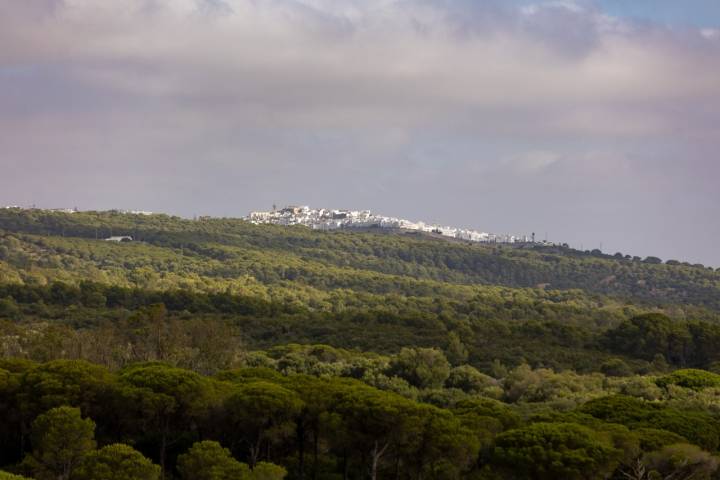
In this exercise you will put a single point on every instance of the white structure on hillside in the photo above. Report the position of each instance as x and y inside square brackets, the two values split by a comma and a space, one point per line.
[124, 238]
[325, 219]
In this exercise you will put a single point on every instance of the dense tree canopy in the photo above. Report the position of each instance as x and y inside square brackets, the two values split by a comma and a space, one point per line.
[217, 349]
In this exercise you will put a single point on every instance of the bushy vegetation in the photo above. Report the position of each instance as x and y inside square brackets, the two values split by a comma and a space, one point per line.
[72, 419]
[215, 250]
[215, 349]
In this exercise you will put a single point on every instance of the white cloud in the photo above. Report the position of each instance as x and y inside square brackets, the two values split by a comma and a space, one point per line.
[710, 33]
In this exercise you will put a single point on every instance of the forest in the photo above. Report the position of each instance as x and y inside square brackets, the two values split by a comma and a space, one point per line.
[217, 349]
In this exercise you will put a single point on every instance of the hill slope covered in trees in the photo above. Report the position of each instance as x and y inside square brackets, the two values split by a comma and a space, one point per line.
[265, 351]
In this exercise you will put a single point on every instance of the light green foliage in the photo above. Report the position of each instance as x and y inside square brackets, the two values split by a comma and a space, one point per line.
[565, 390]
[268, 471]
[10, 476]
[681, 461]
[208, 460]
[421, 367]
[690, 378]
[61, 439]
[116, 462]
[640, 387]
[469, 379]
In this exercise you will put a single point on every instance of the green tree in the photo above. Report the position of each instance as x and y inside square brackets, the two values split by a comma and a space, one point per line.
[652, 439]
[469, 379]
[171, 400]
[116, 462]
[68, 382]
[261, 414]
[456, 351]
[208, 460]
[645, 336]
[615, 367]
[374, 422]
[268, 471]
[681, 461]
[9, 309]
[421, 367]
[61, 438]
[690, 378]
[10, 476]
[556, 450]
[442, 444]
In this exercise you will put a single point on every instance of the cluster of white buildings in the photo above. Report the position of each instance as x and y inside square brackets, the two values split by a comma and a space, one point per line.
[326, 219]
[135, 212]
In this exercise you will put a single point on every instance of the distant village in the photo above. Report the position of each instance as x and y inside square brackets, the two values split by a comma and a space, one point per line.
[326, 219]
[329, 219]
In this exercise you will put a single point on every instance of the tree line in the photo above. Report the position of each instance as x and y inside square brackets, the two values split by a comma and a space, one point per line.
[69, 419]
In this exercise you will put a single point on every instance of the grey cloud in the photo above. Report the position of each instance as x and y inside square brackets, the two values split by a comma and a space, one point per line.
[458, 111]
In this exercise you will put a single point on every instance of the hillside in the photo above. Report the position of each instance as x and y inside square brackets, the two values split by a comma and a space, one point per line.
[226, 248]
[373, 291]
[265, 352]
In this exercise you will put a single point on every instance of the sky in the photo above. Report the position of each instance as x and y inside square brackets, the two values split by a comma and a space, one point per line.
[595, 123]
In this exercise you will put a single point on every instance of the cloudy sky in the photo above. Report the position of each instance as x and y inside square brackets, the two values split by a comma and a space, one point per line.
[591, 121]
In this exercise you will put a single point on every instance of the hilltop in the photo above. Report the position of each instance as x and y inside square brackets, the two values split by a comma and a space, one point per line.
[333, 219]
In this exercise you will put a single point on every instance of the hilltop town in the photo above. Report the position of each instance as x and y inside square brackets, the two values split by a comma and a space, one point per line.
[327, 219]
[332, 219]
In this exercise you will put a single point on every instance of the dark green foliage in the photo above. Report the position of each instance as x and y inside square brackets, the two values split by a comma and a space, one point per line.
[323, 426]
[619, 409]
[556, 450]
[652, 439]
[411, 255]
[260, 414]
[697, 426]
[615, 367]
[648, 335]
[328, 355]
